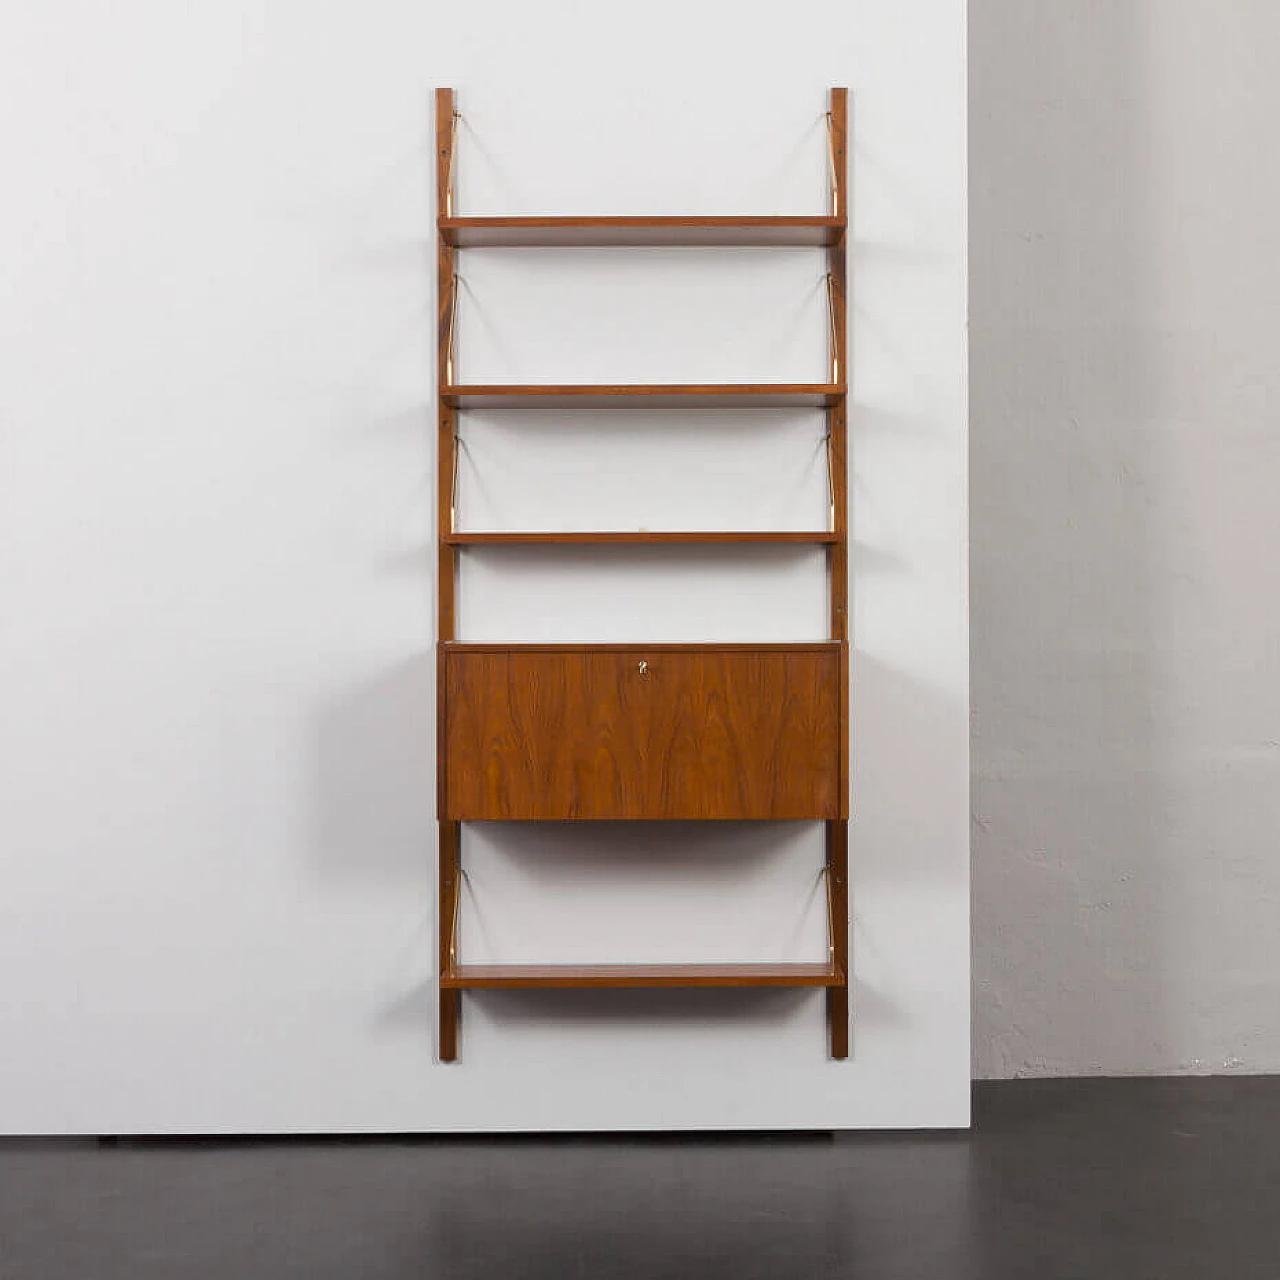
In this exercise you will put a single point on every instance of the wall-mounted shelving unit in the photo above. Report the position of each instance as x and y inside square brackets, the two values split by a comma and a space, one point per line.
[656, 732]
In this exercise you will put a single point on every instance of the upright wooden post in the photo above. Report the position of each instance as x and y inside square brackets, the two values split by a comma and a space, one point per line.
[837, 829]
[448, 1002]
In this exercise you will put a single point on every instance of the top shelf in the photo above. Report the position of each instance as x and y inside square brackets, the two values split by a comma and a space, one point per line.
[468, 233]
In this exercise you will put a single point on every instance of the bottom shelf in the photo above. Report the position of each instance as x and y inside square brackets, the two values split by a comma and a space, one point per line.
[471, 976]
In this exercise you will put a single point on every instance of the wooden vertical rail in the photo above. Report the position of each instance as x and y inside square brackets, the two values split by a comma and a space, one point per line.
[838, 996]
[448, 1002]
[837, 830]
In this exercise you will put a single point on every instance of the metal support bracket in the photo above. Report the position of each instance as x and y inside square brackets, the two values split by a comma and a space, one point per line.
[451, 340]
[453, 488]
[834, 345]
[453, 925]
[831, 483]
[448, 177]
[825, 873]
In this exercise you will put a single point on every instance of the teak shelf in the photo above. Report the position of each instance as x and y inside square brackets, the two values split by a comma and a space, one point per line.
[624, 395]
[640, 536]
[477, 976]
[467, 233]
[643, 732]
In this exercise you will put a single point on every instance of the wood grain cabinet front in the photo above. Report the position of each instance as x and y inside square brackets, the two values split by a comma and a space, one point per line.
[633, 732]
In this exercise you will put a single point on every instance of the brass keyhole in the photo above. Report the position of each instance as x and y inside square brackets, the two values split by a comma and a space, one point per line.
[644, 667]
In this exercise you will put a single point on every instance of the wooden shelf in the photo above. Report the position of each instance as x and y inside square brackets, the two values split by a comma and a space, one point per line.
[648, 537]
[532, 976]
[800, 395]
[467, 233]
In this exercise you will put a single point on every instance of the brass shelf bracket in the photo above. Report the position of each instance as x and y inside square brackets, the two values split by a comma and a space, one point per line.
[831, 483]
[825, 875]
[459, 877]
[834, 330]
[451, 340]
[448, 178]
[453, 488]
[831, 164]
[453, 925]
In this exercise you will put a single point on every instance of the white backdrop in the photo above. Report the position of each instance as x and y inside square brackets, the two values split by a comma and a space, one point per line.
[216, 599]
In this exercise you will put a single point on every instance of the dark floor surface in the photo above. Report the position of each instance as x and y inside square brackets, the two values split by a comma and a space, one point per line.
[1090, 1179]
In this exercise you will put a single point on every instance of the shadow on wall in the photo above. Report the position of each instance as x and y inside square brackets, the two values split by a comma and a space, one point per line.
[1066, 874]
[374, 780]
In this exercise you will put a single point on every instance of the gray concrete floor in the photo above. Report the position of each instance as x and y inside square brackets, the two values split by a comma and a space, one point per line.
[1088, 1179]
